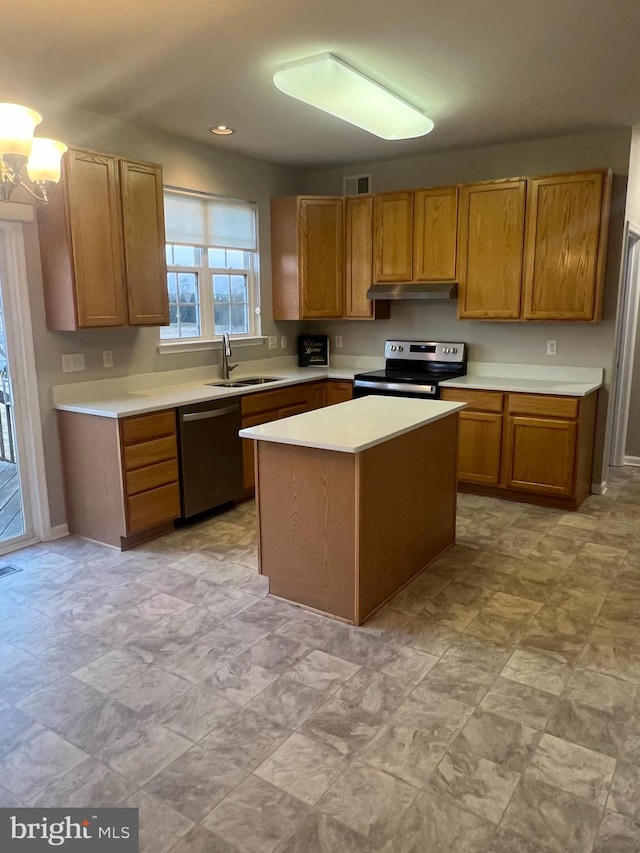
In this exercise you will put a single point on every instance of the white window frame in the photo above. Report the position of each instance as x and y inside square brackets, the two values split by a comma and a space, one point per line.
[208, 339]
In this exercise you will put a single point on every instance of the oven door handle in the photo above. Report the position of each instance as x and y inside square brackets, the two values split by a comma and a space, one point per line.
[395, 386]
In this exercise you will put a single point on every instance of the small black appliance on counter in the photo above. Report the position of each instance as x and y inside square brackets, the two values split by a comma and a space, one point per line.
[313, 350]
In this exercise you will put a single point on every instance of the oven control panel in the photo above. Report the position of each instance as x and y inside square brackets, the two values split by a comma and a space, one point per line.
[426, 351]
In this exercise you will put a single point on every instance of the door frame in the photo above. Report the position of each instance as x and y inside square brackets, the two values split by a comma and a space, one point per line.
[625, 340]
[23, 376]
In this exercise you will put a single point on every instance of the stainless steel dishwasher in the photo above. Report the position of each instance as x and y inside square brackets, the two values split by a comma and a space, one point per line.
[210, 455]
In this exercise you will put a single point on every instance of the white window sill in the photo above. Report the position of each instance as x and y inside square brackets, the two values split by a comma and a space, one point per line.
[197, 344]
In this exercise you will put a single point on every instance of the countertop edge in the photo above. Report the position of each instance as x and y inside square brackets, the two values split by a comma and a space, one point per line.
[523, 386]
[254, 433]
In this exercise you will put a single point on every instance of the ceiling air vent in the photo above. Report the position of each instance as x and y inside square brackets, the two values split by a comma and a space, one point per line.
[357, 184]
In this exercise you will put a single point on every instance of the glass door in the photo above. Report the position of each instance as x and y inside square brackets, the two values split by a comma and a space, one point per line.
[12, 522]
[15, 520]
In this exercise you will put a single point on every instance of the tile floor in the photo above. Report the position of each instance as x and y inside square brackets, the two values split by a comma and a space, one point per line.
[492, 706]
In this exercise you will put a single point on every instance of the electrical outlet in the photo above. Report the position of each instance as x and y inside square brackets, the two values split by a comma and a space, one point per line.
[552, 347]
[107, 358]
[72, 362]
[338, 341]
[273, 342]
[283, 342]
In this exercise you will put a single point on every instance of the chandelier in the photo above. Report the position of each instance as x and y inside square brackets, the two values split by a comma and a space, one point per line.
[32, 163]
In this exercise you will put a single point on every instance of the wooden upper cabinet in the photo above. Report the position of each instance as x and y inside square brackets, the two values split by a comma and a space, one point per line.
[435, 226]
[567, 228]
[144, 243]
[81, 245]
[358, 224]
[393, 236]
[321, 257]
[490, 245]
[307, 257]
[102, 244]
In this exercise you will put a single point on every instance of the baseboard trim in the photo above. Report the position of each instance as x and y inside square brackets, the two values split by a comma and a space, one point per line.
[632, 460]
[58, 532]
[599, 488]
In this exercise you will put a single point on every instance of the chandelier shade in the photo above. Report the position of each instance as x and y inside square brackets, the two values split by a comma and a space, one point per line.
[29, 162]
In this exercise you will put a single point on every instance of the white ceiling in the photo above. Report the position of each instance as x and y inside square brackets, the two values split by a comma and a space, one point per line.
[485, 71]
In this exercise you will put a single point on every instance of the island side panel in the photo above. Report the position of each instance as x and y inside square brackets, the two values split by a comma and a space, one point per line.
[406, 509]
[307, 538]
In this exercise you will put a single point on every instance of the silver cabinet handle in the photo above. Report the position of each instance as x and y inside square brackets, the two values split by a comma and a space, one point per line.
[212, 413]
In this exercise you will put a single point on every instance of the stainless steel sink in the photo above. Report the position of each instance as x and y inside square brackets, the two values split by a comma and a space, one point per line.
[244, 383]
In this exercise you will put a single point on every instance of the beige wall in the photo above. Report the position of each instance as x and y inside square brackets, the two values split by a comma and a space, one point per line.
[632, 447]
[578, 344]
[135, 351]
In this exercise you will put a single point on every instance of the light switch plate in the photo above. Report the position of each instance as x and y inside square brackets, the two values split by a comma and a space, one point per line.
[107, 358]
[283, 342]
[72, 362]
[273, 342]
[338, 341]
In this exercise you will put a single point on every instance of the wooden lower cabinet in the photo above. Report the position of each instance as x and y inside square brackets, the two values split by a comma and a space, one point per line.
[479, 447]
[337, 391]
[530, 447]
[121, 476]
[268, 406]
[540, 455]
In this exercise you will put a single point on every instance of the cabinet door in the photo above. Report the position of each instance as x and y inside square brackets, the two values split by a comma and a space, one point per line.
[338, 391]
[95, 224]
[393, 236]
[490, 244]
[248, 471]
[540, 455]
[317, 397]
[435, 228]
[321, 257]
[567, 221]
[358, 214]
[144, 244]
[358, 227]
[479, 445]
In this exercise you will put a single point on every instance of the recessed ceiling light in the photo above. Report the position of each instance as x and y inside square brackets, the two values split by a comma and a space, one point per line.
[222, 130]
[329, 84]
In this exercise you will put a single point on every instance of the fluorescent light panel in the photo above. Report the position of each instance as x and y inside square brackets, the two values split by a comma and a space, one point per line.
[328, 83]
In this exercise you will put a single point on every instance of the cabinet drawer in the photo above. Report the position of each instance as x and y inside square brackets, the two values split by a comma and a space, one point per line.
[150, 452]
[281, 398]
[143, 427]
[150, 477]
[538, 404]
[149, 509]
[481, 401]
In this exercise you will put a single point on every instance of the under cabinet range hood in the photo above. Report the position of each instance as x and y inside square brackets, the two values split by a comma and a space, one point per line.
[409, 290]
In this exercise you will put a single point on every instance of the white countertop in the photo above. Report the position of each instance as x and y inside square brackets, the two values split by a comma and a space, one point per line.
[150, 392]
[138, 395]
[354, 426]
[529, 379]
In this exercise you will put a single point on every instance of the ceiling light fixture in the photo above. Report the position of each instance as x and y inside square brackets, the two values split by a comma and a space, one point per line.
[328, 83]
[25, 161]
[222, 130]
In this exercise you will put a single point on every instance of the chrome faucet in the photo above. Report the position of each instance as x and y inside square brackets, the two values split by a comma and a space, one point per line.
[226, 355]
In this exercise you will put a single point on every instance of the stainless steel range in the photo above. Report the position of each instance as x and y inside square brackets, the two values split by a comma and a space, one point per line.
[413, 369]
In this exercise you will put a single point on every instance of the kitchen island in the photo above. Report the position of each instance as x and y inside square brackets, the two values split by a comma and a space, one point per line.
[354, 500]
